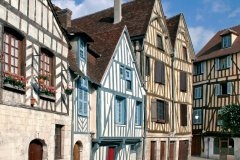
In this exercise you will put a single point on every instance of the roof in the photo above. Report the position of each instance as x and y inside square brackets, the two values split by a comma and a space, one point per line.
[73, 63]
[213, 48]
[135, 15]
[79, 32]
[172, 25]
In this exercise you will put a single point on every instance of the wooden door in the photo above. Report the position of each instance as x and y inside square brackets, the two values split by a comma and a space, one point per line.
[223, 148]
[111, 153]
[162, 151]
[76, 152]
[196, 145]
[153, 150]
[171, 153]
[183, 150]
[35, 151]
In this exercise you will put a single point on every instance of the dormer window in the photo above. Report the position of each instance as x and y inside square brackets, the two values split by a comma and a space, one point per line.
[81, 47]
[226, 41]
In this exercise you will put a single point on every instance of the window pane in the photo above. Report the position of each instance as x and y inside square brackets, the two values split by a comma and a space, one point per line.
[16, 52]
[6, 38]
[16, 62]
[16, 43]
[6, 48]
[12, 41]
[12, 51]
[6, 67]
[6, 58]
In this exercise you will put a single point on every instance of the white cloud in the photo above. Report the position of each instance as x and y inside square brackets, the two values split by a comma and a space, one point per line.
[218, 6]
[200, 36]
[234, 13]
[166, 7]
[84, 8]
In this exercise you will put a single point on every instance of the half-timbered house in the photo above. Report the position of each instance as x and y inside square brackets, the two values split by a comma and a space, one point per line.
[35, 117]
[167, 114]
[215, 85]
[119, 96]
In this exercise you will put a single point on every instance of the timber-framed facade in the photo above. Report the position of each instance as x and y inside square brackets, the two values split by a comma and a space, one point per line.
[35, 114]
[216, 84]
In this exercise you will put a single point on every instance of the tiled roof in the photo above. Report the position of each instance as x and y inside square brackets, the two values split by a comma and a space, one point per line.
[213, 48]
[73, 63]
[172, 24]
[135, 15]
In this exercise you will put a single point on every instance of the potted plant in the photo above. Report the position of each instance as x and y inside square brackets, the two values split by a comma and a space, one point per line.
[33, 101]
[14, 81]
[68, 90]
[41, 78]
[48, 90]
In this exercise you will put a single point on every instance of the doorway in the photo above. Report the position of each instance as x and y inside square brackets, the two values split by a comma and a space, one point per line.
[77, 151]
[35, 151]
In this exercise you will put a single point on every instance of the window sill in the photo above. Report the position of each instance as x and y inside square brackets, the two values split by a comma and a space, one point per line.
[84, 116]
[161, 121]
[46, 97]
[223, 95]
[161, 49]
[198, 98]
[198, 74]
[183, 91]
[10, 87]
[222, 69]
[120, 125]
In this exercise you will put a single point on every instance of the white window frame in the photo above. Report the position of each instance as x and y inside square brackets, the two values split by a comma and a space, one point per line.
[128, 78]
[81, 49]
[226, 41]
[82, 97]
[120, 110]
[138, 113]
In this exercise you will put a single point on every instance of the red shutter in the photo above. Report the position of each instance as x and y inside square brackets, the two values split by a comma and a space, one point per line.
[111, 152]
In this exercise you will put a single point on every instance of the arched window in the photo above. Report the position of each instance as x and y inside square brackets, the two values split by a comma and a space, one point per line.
[46, 66]
[12, 51]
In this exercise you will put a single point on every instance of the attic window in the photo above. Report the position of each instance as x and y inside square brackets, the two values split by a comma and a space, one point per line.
[226, 41]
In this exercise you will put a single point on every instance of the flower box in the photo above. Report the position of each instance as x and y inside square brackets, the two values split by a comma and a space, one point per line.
[14, 81]
[47, 92]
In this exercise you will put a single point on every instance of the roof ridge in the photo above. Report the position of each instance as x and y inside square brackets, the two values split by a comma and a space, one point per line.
[179, 14]
[229, 28]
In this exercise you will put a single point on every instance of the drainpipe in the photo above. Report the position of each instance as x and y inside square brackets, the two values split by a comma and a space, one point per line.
[173, 95]
[72, 124]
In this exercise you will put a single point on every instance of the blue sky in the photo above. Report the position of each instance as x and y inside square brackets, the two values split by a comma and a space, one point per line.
[204, 17]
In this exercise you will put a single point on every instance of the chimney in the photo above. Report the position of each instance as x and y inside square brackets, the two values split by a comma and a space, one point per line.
[64, 16]
[117, 11]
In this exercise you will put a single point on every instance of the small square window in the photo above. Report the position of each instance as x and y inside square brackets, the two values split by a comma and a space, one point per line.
[160, 42]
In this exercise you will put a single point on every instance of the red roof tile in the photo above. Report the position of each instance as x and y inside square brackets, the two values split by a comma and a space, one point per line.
[213, 48]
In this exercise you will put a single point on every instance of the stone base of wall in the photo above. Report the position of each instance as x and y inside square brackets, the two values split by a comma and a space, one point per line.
[85, 142]
[19, 126]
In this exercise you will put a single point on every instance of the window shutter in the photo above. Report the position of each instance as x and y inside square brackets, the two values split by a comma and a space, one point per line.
[162, 73]
[157, 70]
[128, 75]
[123, 111]
[183, 81]
[193, 117]
[202, 67]
[154, 110]
[147, 66]
[229, 61]
[217, 65]
[200, 92]
[217, 89]
[117, 107]
[183, 112]
[229, 87]
[166, 112]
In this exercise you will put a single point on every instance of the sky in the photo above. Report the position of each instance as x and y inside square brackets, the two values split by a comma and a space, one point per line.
[203, 17]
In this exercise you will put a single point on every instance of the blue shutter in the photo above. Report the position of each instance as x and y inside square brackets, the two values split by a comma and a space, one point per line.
[195, 93]
[217, 64]
[117, 107]
[229, 61]
[202, 67]
[217, 89]
[85, 109]
[123, 111]
[128, 75]
[200, 92]
[229, 87]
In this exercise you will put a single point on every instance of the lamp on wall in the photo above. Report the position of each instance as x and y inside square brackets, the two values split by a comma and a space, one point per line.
[196, 116]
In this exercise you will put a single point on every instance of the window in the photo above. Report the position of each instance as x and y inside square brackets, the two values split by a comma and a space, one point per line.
[120, 110]
[199, 68]
[184, 114]
[58, 141]
[82, 53]
[226, 41]
[128, 77]
[159, 72]
[185, 55]
[82, 94]
[198, 92]
[159, 111]
[147, 66]
[183, 81]
[197, 116]
[46, 66]
[160, 42]
[219, 121]
[126, 74]
[223, 63]
[225, 145]
[12, 53]
[224, 88]
[138, 113]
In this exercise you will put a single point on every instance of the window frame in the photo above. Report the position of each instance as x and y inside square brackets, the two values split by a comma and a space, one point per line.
[83, 97]
[122, 109]
[219, 91]
[184, 120]
[199, 68]
[160, 44]
[185, 53]
[138, 113]
[81, 48]
[183, 75]
[226, 41]
[147, 66]
[200, 112]
[123, 72]
[197, 89]
[58, 147]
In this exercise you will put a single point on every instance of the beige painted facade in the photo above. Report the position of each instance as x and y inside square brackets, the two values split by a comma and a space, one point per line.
[21, 123]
